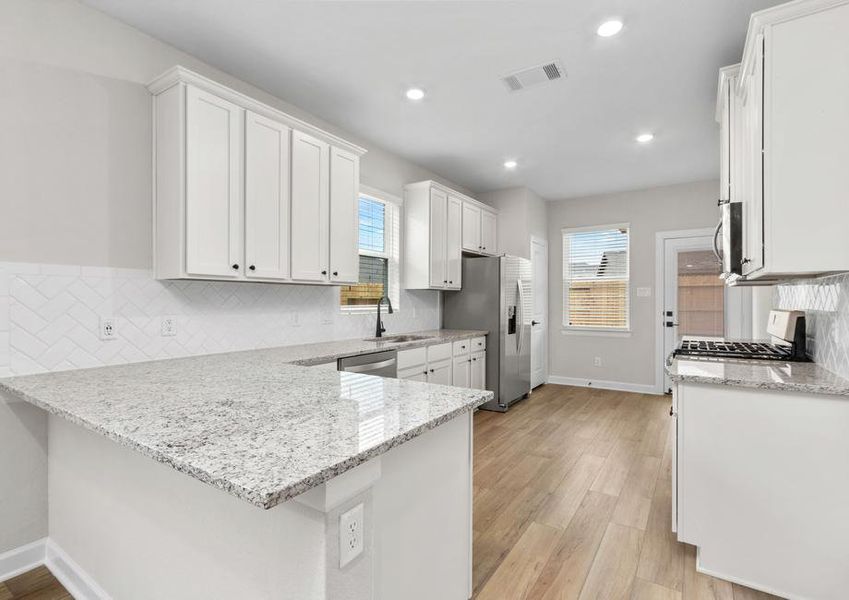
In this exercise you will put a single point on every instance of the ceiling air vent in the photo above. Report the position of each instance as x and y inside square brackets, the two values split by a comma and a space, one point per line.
[543, 73]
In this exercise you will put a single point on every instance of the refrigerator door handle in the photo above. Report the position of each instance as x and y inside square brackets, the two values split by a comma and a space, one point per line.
[520, 317]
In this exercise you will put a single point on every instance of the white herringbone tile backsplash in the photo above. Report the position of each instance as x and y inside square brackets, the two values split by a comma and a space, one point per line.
[826, 305]
[50, 314]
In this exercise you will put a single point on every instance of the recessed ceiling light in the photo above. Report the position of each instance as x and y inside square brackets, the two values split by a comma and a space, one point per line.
[415, 94]
[609, 28]
[689, 266]
[645, 138]
[510, 164]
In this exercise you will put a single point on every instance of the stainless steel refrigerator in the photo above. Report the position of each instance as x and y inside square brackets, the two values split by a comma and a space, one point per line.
[496, 296]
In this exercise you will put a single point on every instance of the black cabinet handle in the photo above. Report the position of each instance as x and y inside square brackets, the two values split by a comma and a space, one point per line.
[252, 267]
[431, 370]
[425, 371]
[534, 322]
[335, 273]
[474, 359]
[451, 282]
[236, 267]
[324, 272]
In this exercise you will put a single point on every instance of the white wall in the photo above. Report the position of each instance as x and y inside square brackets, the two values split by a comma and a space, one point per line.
[521, 214]
[75, 159]
[625, 360]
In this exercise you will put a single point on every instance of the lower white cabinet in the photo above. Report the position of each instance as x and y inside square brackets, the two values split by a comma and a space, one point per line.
[462, 369]
[477, 376]
[440, 372]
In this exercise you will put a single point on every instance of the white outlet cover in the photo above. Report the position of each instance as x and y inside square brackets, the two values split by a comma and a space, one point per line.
[168, 327]
[351, 533]
[643, 292]
[108, 328]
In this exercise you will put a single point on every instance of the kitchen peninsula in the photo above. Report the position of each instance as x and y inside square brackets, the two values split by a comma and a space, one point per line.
[274, 453]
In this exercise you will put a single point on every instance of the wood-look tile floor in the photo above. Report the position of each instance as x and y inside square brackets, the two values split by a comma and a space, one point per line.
[38, 584]
[572, 500]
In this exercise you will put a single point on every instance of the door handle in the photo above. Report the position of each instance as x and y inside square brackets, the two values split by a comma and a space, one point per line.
[671, 324]
[535, 322]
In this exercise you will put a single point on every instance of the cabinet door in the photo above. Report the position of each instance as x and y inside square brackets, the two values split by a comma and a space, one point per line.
[454, 242]
[471, 227]
[413, 374]
[213, 185]
[440, 373]
[266, 197]
[344, 220]
[488, 232]
[438, 209]
[462, 371]
[478, 371]
[310, 208]
[753, 250]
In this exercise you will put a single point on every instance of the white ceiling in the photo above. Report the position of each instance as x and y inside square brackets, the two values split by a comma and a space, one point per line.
[350, 62]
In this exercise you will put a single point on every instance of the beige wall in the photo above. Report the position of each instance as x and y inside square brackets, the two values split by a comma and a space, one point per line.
[631, 359]
[75, 152]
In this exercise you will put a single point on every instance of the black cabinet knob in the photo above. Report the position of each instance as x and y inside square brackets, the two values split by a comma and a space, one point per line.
[236, 267]
[451, 282]
[431, 370]
[252, 267]
[335, 273]
[425, 371]
[324, 272]
[534, 322]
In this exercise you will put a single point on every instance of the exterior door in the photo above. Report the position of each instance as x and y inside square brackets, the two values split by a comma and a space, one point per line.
[213, 185]
[471, 227]
[438, 208]
[266, 198]
[488, 232]
[310, 208]
[344, 203]
[454, 242]
[539, 335]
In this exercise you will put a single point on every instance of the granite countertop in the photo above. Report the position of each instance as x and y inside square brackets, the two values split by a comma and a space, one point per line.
[804, 377]
[325, 352]
[247, 422]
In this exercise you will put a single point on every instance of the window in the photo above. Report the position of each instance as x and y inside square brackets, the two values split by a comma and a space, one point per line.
[379, 228]
[595, 278]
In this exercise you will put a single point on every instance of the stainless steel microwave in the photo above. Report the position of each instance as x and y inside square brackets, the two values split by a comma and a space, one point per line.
[728, 239]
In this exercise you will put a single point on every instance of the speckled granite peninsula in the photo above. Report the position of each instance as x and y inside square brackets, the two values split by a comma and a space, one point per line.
[759, 374]
[248, 422]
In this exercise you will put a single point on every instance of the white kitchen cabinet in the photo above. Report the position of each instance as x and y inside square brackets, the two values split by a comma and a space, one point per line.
[462, 370]
[489, 222]
[441, 224]
[790, 141]
[344, 216]
[471, 226]
[479, 228]
[246, 192]
[267, 206]
[213, 185]
[413, 374]
[477, 375]
[440, 373]
[310, 208]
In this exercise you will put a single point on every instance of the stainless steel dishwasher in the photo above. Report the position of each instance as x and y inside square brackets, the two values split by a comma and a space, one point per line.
[382, 364]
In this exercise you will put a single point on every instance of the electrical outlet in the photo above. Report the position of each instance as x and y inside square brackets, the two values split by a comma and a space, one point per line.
[597, 361]
[108, 328]
[168, 327]
[350, 535]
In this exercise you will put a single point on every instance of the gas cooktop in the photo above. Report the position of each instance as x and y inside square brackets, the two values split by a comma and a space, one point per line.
[750, 350]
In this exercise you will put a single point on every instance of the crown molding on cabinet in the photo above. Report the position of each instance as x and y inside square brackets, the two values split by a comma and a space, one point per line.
[726, 77]
[179, 74]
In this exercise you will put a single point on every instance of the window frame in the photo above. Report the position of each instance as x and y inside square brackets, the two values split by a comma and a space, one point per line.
[595, 330]
[391, 245]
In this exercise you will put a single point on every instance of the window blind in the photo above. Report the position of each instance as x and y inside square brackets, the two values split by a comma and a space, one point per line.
[596, 278]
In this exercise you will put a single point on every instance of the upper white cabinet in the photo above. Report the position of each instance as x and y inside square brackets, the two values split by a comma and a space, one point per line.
[246, 192]
[267, 188]
[787, 130]
[441, 224]
[479, 228]
[433, 237]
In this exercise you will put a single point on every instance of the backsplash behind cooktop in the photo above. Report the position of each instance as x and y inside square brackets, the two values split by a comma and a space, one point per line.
[826, 305]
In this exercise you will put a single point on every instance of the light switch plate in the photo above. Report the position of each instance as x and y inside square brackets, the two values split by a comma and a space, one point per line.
[643, 292]
[350, 535]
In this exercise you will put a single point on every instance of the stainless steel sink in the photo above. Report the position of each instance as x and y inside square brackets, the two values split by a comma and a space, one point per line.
[397, 339]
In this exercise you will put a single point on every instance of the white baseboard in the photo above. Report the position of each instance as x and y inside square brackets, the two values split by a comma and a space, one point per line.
[22, 559]
[620, 386]
[46, 552]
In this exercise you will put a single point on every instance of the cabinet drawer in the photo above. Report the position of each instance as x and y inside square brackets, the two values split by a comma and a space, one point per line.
[413, 374]
[479, 343]
[412, 358]
[438, 352]
[462, 347]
